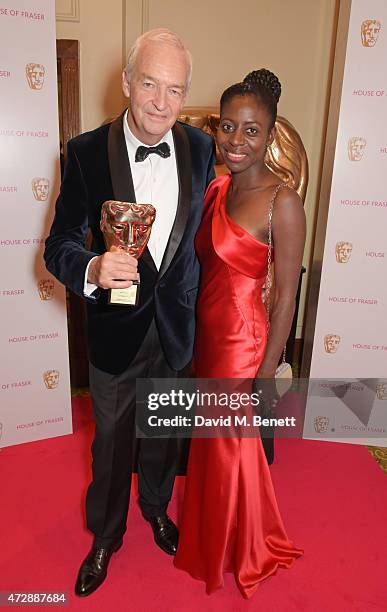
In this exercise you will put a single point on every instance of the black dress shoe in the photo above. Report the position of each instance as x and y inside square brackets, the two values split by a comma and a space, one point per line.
[165, 533]
[93, 570]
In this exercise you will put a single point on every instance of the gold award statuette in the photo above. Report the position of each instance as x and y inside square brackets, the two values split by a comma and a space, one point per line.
[126, 226]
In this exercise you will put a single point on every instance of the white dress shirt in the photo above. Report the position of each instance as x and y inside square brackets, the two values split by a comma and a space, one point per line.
[155, 182]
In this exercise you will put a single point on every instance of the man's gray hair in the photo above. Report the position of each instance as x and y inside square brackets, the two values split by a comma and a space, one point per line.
[158, 35]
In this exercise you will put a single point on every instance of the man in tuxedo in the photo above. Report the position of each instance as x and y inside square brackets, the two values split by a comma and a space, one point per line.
[143, 156]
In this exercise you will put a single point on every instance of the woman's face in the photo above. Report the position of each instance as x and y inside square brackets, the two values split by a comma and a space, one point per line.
[244, 133]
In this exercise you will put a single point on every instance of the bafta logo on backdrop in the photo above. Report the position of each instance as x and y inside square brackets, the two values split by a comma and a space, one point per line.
[331, 343]
[51, 378]
[321, 424]
[381, 391]
[40, 188]
[343, 251]
[356, 148]
[46, 289]
[370, 29]
[35, 76]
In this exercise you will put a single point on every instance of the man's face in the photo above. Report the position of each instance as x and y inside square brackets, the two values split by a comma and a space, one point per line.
[370, 33]
[36, 76]
[356, 148]
[157, 90]
[331, 342]
[343, 251]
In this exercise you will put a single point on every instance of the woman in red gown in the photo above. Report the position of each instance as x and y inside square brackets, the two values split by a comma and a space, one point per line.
[230, 519]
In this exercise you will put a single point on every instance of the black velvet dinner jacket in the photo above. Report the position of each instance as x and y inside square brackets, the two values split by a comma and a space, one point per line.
[97, 170]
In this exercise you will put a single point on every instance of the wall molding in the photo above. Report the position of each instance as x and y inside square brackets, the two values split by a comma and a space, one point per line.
[68, 10]
[135, 16]
[145, 16]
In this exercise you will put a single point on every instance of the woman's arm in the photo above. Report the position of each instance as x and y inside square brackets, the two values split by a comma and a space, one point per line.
[288, 231]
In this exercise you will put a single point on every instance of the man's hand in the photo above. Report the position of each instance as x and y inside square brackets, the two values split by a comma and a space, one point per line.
[113, 270]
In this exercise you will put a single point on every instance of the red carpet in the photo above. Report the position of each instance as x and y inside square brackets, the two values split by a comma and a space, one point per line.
[333, 498]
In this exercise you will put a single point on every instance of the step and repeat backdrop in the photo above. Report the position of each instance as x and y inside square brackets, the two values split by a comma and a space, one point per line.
[34, 370]
[351, 332]
[350, 339]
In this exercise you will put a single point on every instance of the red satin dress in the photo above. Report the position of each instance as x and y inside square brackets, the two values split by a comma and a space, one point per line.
[230, 519]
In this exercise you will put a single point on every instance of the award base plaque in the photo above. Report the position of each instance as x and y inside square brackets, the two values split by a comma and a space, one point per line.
[125, 297]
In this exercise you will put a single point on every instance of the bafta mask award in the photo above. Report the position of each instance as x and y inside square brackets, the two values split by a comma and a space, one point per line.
[126, 226]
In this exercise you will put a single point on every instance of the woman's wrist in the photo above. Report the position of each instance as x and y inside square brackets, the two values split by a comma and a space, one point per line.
[266, 372]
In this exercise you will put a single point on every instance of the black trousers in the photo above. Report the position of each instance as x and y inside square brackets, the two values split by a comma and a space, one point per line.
[114, 405]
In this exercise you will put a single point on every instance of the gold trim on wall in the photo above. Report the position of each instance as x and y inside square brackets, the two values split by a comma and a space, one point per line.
[69, 10]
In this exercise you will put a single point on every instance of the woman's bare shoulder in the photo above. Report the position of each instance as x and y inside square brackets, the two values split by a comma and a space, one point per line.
[288, 195]
[288, 209]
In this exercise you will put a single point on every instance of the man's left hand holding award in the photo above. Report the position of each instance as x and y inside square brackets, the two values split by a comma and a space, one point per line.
[126, 229]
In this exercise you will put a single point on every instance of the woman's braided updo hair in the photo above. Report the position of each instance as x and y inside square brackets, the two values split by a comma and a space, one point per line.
[265, 78]
[262, 84]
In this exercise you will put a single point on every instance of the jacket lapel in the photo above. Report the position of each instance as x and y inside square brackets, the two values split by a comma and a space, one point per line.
[121, 173]
[184, 173]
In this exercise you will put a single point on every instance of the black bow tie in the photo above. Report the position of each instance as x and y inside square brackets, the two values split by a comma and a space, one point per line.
[161, 149]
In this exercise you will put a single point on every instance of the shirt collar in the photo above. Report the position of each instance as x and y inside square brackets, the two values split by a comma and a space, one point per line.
[133, 142]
